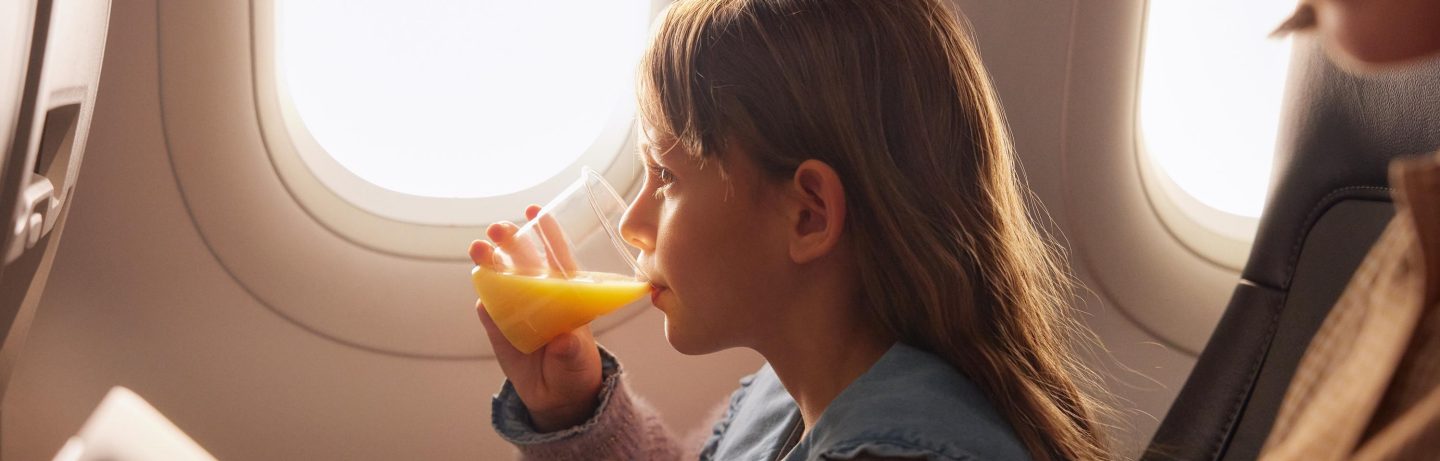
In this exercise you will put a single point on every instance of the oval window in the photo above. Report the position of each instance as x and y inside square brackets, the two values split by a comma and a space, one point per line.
[1211, 86]
[457, 99]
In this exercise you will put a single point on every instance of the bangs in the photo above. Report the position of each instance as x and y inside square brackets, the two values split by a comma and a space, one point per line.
[674, 95]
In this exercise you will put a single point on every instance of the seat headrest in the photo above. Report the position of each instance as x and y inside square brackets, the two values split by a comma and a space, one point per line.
[1340, 131]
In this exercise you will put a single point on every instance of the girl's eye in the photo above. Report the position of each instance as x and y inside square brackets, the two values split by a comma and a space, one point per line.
[663, 176]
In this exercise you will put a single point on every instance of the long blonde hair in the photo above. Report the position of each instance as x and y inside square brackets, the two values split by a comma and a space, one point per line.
[892, 95]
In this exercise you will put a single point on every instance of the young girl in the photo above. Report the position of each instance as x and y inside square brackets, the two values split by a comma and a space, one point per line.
[831, 184]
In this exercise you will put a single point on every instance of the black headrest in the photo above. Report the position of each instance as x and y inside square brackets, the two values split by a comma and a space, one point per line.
[1328, 205]
[1340, 133]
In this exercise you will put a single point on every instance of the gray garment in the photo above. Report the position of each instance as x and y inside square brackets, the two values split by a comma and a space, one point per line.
[910, 404]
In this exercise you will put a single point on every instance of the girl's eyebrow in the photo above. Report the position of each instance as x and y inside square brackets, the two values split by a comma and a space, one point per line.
[642, 150]
[646, 151]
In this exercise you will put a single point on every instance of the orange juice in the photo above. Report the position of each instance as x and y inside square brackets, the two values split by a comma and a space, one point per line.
[532, 310]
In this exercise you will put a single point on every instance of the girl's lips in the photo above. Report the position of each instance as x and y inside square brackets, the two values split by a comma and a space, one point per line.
[655, 291]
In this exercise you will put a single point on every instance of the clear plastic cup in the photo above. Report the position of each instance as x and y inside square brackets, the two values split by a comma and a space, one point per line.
[563, 268]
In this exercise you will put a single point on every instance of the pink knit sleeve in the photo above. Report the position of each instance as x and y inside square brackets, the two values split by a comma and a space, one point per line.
[623, 427]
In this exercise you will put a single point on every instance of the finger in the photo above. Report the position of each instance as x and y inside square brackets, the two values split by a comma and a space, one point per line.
[563, 348]
[501, 231]
[566, 356]
[522, 251]
[558, 252]
[584, 333]
[482, 253]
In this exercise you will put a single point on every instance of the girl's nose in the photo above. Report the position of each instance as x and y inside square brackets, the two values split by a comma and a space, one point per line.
[637, 226]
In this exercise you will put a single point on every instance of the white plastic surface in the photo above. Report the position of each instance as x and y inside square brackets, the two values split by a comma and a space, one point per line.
[126, 428]
[17, 20]
[70, 75]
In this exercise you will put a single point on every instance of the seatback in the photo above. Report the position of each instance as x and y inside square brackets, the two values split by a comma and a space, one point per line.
[51, 61]
[1329, 204]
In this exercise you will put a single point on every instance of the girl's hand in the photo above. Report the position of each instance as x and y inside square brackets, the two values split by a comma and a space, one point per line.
[560, 382]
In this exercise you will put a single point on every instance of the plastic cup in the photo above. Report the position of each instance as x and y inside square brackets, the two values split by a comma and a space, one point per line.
[563, 268]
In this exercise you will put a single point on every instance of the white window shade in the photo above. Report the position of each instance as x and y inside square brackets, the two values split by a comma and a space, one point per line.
[1211, 87]
[458, 99]
[1210, 97]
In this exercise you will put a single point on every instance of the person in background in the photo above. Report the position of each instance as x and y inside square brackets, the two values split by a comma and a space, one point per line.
[831, 184]
[1368, 386]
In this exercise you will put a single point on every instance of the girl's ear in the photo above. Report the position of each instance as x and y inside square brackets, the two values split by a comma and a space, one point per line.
[818, 211]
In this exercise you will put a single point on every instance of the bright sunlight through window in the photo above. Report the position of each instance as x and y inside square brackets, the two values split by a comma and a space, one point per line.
[460, 99]
[1210, 97]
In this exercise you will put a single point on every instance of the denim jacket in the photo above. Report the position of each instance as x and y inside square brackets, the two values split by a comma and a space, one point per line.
[910, 404]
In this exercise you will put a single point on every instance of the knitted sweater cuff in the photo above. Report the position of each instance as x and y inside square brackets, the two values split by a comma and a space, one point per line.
[623, 426]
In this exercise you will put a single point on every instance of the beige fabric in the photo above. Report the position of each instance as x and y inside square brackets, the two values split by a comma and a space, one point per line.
[1367, 386]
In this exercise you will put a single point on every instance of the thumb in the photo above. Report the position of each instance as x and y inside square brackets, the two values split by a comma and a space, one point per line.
[572, 361]
[566, 351]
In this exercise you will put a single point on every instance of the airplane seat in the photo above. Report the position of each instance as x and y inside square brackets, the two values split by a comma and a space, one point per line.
[1329, 204]
[50, 58]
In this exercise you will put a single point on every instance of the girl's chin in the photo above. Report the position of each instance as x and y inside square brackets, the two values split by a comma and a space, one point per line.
[687, 343]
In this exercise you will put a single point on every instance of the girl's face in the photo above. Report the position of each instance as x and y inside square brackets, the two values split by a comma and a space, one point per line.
[713, 250]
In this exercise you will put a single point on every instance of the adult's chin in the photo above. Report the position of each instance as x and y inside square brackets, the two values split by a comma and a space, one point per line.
[1377, 36]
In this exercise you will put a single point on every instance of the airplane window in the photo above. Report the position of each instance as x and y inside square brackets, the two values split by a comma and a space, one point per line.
[458, 99]
[1211, 87]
